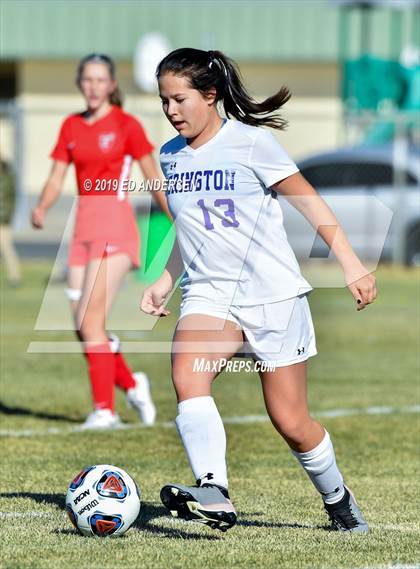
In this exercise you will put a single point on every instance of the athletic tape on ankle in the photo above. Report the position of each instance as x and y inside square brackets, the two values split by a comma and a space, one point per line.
[73, 294]
[114, 343]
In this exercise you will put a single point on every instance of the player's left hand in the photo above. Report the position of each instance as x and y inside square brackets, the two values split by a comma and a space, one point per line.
[363, 289]
[38, 217]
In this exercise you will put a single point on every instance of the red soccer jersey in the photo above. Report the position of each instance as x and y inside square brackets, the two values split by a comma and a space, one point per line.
[102, 154]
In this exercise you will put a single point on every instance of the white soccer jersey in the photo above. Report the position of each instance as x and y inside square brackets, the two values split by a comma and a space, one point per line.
[229, 225]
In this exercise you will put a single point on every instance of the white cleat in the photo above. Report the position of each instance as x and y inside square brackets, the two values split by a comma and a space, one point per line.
[139, 398]
[102, 419]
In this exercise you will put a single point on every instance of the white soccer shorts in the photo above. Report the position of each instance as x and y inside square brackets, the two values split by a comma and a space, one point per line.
[281, 333]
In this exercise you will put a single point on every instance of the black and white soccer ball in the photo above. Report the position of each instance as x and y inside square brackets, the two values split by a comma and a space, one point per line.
[103, 500]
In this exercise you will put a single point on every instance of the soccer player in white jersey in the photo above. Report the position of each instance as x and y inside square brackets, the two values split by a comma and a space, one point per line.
[240, 279]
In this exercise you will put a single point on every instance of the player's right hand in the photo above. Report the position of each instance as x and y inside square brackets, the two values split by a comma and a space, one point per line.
[37, 217]
[154, 298]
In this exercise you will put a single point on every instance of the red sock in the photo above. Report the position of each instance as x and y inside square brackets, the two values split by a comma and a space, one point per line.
[101, 363]
[123, 376]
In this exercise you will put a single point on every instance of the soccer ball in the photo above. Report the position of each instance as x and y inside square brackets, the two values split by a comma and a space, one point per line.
[103, 500]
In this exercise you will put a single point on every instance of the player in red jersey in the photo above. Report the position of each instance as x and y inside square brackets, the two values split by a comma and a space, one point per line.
[102, 142]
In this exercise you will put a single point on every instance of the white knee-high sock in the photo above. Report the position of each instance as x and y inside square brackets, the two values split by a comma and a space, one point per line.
[320, 465]
[202, 432]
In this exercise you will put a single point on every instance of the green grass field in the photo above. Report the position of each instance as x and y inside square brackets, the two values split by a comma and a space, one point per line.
[368, 359]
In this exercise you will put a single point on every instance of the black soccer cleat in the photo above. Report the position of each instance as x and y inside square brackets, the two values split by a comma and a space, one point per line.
[207, 504]
[345, 515]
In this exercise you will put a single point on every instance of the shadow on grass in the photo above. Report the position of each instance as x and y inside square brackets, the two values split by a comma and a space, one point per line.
[243, 521]
[144, 523]
[260, 524]
[23, 412]
[148, 512]
[57, 500]
[151, 511]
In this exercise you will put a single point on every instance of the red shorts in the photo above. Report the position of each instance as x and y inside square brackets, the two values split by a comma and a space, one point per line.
[81, 252]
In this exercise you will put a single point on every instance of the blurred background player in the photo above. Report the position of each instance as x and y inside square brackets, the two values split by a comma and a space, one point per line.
[102, 142]
[7, 206]
[242, 279]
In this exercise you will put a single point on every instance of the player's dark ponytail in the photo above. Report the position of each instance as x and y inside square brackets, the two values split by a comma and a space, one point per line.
[207, 69]
[115, 97]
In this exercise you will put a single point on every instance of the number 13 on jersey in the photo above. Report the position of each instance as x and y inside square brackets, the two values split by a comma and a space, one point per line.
[229, 213]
